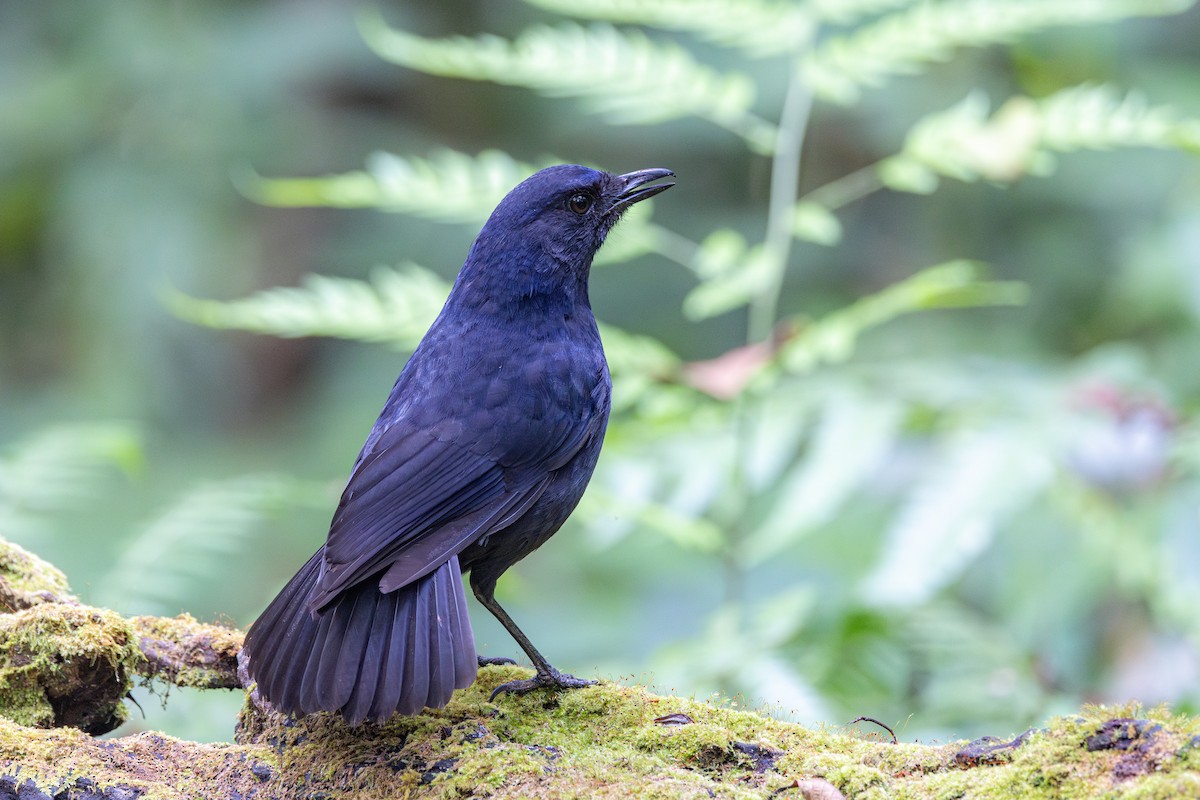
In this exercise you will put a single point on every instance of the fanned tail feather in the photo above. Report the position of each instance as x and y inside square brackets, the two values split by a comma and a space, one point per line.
[367, 655]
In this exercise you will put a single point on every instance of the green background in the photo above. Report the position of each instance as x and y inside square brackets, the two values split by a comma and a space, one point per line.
[124, 129]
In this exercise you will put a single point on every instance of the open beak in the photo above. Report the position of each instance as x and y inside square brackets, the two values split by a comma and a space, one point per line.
[634, 189]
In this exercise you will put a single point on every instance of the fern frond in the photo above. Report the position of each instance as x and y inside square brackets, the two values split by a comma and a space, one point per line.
[623, 75]
[190, 542]
[854, 433]
[639, 365]
[739, 651]
[904, 42]
[964, 143]
[731, 273]
[632, 352]
[1100, 118]
[955, 284]
[59, 467]
[756, 27]
[980, 479]
[669, 492]
[449, 186]
[845, 12]
[634, 236]
[611, 516]
[395, 307]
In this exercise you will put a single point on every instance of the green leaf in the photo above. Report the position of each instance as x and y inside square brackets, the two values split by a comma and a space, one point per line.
[758, 28]
[964, 143]
[688, 532]
[813, 222]
[396, 307]
[955, 284]
[719, 253]
[782, 419]
[781, 617]
[953, 643]
[633, 352]
[903, 43]
[732, 290]
[623, 75]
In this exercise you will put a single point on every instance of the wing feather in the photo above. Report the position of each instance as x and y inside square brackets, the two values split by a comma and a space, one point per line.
[428, 484]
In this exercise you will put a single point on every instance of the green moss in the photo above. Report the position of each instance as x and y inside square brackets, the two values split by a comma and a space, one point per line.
[538, 745]
[604, 742]
[64, 664]
[23, 700]
[27, 580]
[158, 767]
[699, 744]
[186, 652]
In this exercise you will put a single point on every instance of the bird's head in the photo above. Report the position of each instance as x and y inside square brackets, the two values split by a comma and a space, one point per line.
[556, 220]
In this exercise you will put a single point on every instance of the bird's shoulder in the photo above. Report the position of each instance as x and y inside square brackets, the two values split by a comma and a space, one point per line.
[482, 389]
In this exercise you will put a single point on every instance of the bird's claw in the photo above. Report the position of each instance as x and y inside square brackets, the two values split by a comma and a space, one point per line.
[543, 680]
[494, 661]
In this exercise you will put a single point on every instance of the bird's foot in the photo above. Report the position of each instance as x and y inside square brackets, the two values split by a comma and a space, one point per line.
[494, 661]
[543, 680]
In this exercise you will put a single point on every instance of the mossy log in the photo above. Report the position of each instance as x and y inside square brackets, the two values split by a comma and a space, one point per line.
[63, 664]
[604, 741]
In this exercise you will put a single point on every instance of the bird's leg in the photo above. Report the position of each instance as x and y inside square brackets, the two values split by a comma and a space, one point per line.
[547, 677]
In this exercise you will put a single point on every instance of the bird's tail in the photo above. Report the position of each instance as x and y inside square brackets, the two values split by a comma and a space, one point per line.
[368, 654]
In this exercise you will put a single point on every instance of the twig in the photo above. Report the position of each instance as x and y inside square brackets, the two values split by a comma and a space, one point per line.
[877, 722]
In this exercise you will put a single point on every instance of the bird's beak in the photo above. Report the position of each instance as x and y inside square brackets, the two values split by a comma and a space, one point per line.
[634, 189]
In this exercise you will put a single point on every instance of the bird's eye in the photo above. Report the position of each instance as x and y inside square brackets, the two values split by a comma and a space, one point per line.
[579, 203]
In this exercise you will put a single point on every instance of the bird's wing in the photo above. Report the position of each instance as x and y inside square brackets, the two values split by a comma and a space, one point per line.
[418, 496]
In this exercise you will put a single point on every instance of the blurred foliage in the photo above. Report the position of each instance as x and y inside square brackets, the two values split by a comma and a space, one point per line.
[60, 467]
[959, 497]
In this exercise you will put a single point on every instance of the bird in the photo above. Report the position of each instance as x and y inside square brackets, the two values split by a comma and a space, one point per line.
[482, 450]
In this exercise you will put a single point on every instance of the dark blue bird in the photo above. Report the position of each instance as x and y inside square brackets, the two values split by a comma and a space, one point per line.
[482, 450]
